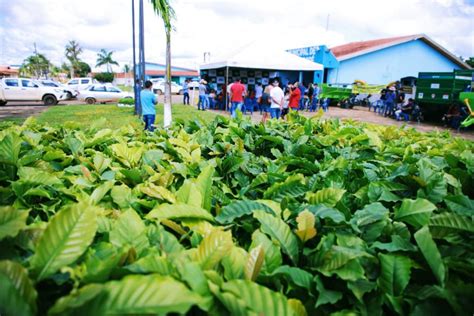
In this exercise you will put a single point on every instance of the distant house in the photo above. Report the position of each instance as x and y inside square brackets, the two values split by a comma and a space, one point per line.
[178, 74]
[385, 60]
[8, 71]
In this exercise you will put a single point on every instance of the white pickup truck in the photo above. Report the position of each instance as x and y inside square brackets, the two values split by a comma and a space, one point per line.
[22, 89]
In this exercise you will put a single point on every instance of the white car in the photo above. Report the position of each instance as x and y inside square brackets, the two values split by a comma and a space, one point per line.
[71, 93]
[23, 89]
[159, 87]
[79, 84]
[102, 93]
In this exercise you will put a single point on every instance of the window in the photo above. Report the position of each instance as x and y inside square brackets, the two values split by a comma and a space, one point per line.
[98, 88]
[73, 82]
[28, 83]
[112, 89]
[50, 84]
[11, 82]
[84, 81]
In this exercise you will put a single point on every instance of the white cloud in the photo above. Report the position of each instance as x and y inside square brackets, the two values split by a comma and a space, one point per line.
[221, 26]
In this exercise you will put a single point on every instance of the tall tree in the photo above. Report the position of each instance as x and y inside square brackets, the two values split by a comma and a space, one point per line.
[36, 65]
[105, 58]
[164, 10]
[126, 68]
[72, 52]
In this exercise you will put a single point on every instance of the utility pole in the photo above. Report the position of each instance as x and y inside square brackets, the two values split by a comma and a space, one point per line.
[136, 89]
[38, 66]
[327, 23]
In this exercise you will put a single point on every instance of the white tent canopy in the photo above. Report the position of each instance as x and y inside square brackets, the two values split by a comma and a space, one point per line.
[265, 58]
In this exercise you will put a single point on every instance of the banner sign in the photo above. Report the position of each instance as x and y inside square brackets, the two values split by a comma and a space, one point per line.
[367, 89]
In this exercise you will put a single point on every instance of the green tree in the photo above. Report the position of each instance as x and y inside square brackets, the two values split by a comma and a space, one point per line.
[36, 65]
[105, 58]
[72, 52]
[82, 69]
[164, 10]
[126, 68]
[470, 61]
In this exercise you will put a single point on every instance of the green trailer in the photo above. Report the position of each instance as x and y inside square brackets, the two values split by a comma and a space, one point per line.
[436, 91]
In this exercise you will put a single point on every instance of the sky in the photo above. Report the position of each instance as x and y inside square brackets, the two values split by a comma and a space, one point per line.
[223, 26]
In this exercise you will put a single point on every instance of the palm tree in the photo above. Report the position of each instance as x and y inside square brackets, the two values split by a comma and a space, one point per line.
[105, 58]
[163, 9]
[72, 54]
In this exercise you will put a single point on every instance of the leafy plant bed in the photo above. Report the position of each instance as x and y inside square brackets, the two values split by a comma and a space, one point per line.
[291, 218]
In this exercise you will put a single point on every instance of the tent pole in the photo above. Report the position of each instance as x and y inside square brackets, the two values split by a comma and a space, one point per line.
[227, 85]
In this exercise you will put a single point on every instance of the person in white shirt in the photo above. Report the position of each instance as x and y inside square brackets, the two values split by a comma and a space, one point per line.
[276, 96]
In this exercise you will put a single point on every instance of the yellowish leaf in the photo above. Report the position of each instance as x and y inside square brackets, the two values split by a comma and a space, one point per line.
[254, 263]
[306, 229]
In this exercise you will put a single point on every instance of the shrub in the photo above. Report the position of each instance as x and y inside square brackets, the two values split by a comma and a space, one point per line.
[104, 77]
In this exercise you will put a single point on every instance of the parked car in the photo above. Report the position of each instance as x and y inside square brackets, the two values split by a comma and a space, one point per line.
[159, 87]
[23, 89]
[102, 93]
[193, 85]
[79, 84]
[71, 93]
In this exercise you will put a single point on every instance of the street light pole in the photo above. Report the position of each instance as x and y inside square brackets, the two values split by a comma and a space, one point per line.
[135, 86]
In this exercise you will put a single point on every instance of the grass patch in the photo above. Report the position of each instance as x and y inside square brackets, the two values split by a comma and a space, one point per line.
[125, 88]
[115, 117]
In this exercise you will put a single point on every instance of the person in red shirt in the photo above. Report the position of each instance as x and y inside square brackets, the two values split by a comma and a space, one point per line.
[295, 97]
[237, 92]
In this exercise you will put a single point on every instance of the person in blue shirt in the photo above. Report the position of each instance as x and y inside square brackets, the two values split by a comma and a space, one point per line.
[148, 101]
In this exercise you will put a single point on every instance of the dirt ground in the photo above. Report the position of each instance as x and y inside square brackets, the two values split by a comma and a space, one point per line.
[26, 109]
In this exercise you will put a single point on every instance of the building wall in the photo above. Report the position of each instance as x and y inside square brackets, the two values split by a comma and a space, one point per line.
[392, 63]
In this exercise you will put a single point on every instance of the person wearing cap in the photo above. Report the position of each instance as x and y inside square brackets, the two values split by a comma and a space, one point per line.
[277, 98]
[203, 100]
[237, 92]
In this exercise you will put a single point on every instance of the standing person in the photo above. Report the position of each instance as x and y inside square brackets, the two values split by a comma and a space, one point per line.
[258, 95]
[265, 106]
[237, 92]
[276, 97]
[286, 102]
[295, 96]
[186, 92]
[302, 92]
[310, 94]
[148, 101]
[202, 95]
[315, 98]
[389, 101]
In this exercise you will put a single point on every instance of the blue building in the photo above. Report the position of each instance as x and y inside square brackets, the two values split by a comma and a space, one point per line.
[383, 60]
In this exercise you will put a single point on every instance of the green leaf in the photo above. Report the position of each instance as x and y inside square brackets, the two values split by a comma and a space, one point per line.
[128, 156]
[67, 236]
[163, 240]
[192, 274]
[99, 192]
[281, 232]
[297, 307]
[11, 221]
[254, 263]
[122, 196]
[189, 194]
[213, 248]
[296, 276]
[306, 229]
[234, 263]
[152, 263]
[327, 196]
[204, 185]
[243, 297]
[38, 176]
[271, 251]
[446, 223]
[179, 211]
[78, 302]
[17, 292]
[158, 192]
[325, 296]
[431, 253]
[99, 262]
[150, 294]
[370, 221]
[395, 273]
[129, 230]
[323, 212]
[397, 244]
[238, 209]
[10, 147]
[415, 212]
[293, 186]
[460, 204]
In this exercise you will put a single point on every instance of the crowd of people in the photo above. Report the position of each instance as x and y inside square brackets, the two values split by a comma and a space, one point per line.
[274, 99]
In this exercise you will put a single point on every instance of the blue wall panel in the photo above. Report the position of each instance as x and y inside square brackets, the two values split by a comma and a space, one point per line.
[391, 63]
